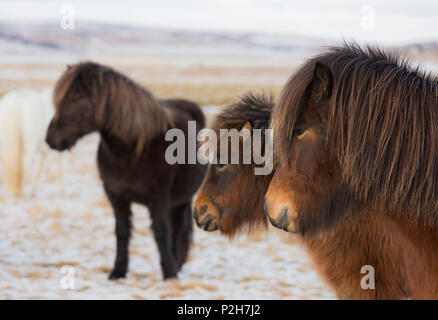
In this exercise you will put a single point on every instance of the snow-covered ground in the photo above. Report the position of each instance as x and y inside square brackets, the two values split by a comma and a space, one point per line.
[40, 235]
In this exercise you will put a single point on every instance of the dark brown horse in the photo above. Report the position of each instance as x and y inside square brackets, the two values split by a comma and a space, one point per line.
[356, 135]
[131, 157]
[231, 200]
[231, 196]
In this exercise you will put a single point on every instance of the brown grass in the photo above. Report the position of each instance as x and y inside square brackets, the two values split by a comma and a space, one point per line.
[208, 94]
[216, 85]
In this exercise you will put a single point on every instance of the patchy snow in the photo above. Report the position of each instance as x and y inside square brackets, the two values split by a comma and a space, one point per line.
[211, 110]
[40, 235]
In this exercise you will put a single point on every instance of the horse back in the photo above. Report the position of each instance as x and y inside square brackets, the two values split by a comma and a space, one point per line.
[183, 111]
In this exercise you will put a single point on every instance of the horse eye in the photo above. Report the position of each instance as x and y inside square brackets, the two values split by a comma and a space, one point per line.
[220, 165]
[299, 132]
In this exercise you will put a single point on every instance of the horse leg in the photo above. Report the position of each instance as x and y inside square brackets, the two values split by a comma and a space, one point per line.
[122, 212]
[61, 173]
[12, 149]
[35, 179]
[161, 226]
[181, 218]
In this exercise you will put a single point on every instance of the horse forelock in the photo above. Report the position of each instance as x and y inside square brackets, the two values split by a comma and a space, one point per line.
[252, 107]
[381, 128]
[289, 108]
[64, 83]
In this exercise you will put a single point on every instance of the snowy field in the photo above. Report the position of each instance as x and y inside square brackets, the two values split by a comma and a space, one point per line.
[40, 235]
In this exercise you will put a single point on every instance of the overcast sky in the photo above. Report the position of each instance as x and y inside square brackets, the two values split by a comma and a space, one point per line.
[384, 21]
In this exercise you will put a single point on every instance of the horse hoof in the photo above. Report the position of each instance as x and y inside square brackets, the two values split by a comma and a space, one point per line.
[115, 275]
[171, 278]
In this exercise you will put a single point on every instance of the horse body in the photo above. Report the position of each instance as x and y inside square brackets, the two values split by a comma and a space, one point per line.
[25, 116]
[355, 138]
[120, 168]
[131, 155]
[166, 189]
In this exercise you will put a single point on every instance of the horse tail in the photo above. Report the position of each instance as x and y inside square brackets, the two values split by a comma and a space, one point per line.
[182, 232]
[12, 150]
[185, 247]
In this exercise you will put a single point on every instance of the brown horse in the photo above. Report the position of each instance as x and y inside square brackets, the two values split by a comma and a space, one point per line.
[131, 157]
[223, 201]
[356, 138]
[231, 200]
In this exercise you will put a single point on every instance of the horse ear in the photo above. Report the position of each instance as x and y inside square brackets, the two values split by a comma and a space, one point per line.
[247, 126]
[322, 80]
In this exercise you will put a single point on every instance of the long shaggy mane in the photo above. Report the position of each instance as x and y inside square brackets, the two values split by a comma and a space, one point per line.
[252, 107]
[382, 126]
[123, 108]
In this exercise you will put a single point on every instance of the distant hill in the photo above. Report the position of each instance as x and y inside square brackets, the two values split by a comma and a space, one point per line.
[116, 39]
[44, 40]
[422, 51]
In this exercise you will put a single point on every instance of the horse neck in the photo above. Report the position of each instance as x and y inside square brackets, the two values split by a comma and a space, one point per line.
[136, 130]
[116, 146]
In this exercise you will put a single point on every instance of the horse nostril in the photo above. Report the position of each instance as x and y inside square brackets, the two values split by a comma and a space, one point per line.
[203, 210]
[206, 222]
[281, 220]
[265, 205]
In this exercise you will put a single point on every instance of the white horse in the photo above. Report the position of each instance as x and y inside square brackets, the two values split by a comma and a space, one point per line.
[24, 117]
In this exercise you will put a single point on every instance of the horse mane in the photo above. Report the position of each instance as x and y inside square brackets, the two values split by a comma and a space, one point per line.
[248, 212]
[382, 127]
[252, 107]
[124, 109]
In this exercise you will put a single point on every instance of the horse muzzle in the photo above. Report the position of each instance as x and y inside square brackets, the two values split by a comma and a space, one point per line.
[56, 144]
[282, 216]
[205, 220]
